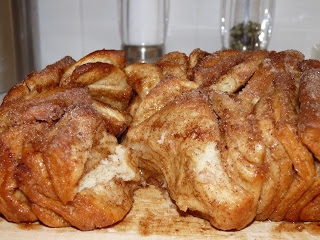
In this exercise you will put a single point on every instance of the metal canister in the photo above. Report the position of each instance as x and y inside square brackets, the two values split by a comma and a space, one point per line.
[18, 36]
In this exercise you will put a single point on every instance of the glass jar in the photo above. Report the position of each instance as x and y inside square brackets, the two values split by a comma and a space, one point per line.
[246, 24]
[143, 29]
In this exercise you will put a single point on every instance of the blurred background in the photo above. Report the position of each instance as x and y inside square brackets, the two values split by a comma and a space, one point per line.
[78, 27]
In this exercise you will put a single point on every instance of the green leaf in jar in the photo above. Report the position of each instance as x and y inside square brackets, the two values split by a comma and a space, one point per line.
[245, 36]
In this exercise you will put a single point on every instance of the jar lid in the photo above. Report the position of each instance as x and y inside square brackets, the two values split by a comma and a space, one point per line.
[148, 54]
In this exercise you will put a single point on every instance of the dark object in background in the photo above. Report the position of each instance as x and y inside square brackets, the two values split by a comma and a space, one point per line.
[19, 41]
[245, 35]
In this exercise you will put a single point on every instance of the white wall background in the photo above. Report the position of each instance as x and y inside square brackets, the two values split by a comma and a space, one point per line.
[78, 27]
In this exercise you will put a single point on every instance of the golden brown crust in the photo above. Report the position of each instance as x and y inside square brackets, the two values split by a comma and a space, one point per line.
[211, 67]
[233, 137]
[36, 83]
[116, 121]
[143, 77]
[14, 205]
[114, 57]
[57, 144]
[195, 56]
[260, 104]
[309, 64]
[239, 75]
[287, 61]
[285, 104]
[277, 165]
[106, 82]
[175, 64]
[309, 119]
[164, 92]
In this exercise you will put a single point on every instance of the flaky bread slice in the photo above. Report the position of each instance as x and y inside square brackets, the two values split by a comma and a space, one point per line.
[285, 106]
[164, 92]
[260, 82]
[307, 207]
[65, 157]
[13, 203]
[107, 83]
[278, 175]
[309, 117]
[211, 67]
[114, 57]
[59, 138]
[38, 82]
[195, 56]
[309, 64]
[115, 96]
[239, 75]
[245, 148]
[76, 174]
[47, 106]
[175, 64]
[143, 77]
[104, 195]
[183, 143]
[310, 201]
[116, 121]
[261, 92]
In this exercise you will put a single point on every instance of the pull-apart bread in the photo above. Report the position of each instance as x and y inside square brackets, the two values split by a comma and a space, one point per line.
[235, 138]
[232, 136]
[61, 162]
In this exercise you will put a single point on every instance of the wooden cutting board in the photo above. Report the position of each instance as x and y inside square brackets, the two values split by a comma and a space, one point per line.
[154, 216]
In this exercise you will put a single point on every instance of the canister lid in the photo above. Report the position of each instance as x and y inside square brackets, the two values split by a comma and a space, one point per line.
[147, 54]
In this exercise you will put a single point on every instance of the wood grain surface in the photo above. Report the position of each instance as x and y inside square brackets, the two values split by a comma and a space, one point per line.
[154, 216]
